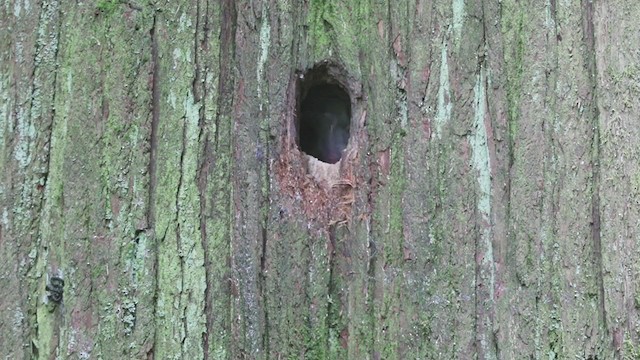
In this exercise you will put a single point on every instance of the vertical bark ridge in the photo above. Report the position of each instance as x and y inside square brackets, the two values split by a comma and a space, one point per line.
[32, 155]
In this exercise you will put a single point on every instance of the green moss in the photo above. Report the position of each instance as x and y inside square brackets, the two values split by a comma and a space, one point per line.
[319, 24]
[631, 351]
[555, 349]
[340, 31]
[108, 6]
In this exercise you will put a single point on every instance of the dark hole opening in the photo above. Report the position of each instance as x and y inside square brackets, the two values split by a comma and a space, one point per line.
[324, 123]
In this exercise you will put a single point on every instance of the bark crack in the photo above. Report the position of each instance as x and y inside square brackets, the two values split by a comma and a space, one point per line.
[261, 286]
[203, 168]
[155, 119]
[56, 42]
[179, 246]
[332, 306]
[591, 69]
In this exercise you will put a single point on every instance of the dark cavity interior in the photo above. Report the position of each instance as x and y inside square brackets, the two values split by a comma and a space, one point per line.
[325, 119]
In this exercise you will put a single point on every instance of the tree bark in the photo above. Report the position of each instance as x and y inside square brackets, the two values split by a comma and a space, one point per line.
[486, 205]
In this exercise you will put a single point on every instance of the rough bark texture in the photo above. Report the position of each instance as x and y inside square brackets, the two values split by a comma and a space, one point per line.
[487, 205]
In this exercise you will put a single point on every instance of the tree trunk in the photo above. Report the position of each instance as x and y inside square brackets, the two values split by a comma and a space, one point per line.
[156, 201]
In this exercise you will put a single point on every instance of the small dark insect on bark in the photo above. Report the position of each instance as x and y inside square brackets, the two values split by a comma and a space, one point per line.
[55, 288]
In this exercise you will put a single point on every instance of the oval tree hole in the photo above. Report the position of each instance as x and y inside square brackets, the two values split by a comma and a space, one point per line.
[325, 117]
